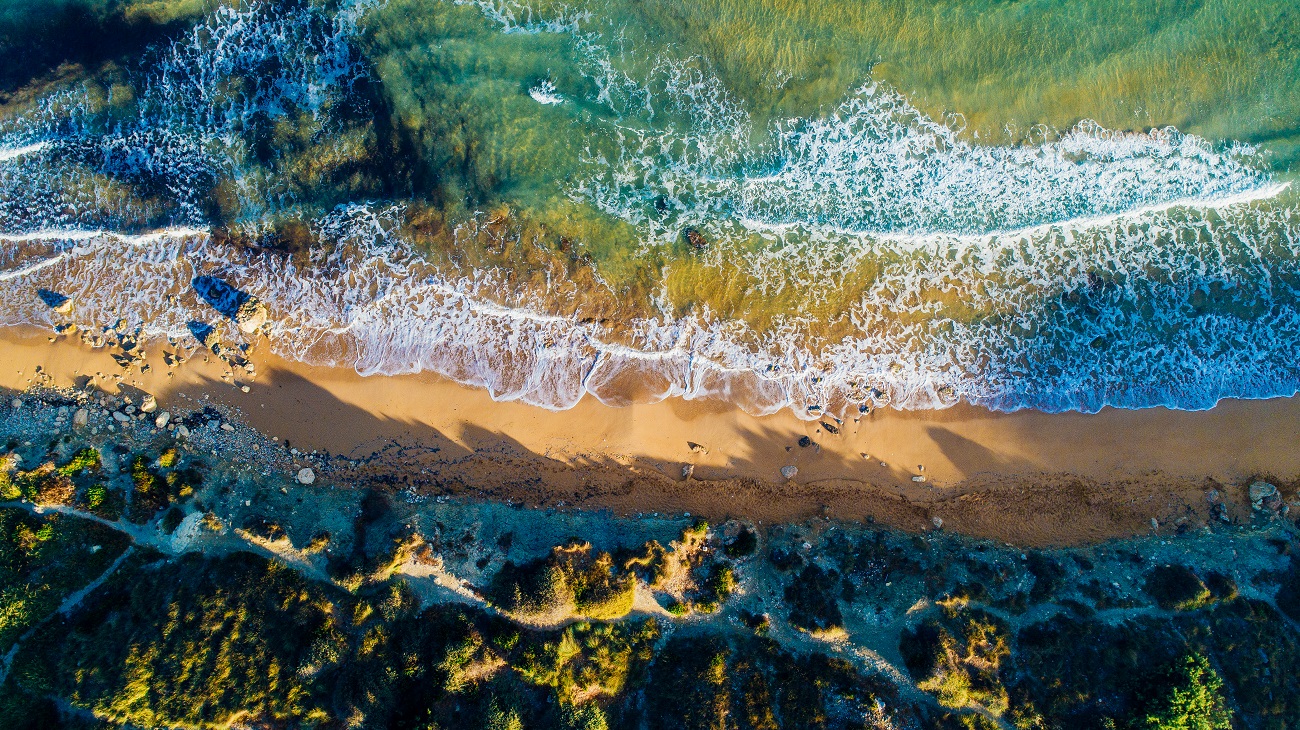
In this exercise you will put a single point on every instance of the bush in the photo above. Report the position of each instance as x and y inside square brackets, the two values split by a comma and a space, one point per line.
[958, 659]
[813, 601]
[570, 581]
[744, 545]
[1176, 588]
[1192, 699]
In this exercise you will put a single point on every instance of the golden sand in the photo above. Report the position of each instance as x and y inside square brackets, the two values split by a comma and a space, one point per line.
[1026, 476]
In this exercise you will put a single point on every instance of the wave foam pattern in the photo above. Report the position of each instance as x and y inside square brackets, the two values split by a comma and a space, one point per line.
[878, 166]
[1065, 319]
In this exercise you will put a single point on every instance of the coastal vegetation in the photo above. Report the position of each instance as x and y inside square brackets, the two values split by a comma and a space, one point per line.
[296, 619]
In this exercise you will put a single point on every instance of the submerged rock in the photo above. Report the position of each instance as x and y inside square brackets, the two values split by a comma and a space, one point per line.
[306, 475]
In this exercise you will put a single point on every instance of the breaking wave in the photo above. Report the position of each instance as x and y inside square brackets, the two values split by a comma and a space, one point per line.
[1086, 269]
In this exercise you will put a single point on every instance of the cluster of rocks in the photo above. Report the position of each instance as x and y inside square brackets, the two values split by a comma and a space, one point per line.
[1266, 498]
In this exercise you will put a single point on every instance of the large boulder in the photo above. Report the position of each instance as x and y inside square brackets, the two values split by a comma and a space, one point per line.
[250, 316]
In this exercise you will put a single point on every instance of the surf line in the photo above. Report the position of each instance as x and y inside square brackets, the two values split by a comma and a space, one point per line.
[74, 235]
[912, 241]
[14, 153]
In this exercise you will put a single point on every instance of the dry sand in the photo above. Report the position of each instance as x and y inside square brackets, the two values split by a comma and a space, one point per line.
[1026, 477]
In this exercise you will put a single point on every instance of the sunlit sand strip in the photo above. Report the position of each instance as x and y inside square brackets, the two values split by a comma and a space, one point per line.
[917, 240]
[16, 152]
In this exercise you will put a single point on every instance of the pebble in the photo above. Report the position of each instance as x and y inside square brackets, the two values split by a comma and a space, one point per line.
[306, 475]
[162, 419]
[937, 522]
[182, 431]
[16, 403]
[789, 471]
[149, 405]
[245, 388]
[80, 418]
[227, 427]
[121, 417]
[918, 478]
[688, 471]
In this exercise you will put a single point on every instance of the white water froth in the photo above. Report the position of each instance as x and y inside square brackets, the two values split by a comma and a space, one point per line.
[1070, 321]
[13, 153]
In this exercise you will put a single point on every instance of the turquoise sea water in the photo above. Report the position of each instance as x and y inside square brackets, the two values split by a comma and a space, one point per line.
[860, 253]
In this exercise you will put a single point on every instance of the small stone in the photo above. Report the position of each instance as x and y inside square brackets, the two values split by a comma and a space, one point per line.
[227, 427]
[121, 417]
[918, 478]
[883, 465]
[1155, 524]
[306, 475]
[16, 403]
[149, 405]
[162, 419]
[789, 471]
[80, 418]
[182, 431]
[688, 471]
[245, 388]
[804, 442]
[937, 522]
[696, 448]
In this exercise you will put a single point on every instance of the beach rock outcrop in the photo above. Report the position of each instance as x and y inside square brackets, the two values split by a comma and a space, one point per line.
[251, 315]
[1264, 495]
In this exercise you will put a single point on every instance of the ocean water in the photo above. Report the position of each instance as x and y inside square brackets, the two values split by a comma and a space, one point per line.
[886, 258]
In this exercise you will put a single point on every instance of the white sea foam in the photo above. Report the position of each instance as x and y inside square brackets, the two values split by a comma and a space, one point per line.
[372, 304]
[13, 153]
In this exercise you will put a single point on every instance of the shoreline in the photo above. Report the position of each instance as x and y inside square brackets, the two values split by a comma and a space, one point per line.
[1025, 477]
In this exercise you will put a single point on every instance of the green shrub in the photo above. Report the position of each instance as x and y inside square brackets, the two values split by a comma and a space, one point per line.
[745, 544]
[813, 600]
[85, 460]
[958, 658]
[1191, 700]
[1176, 588]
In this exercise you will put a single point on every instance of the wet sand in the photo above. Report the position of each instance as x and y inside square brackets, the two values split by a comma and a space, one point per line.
[1025, 477]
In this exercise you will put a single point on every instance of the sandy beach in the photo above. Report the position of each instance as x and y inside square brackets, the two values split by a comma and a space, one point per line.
[1025, 477]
